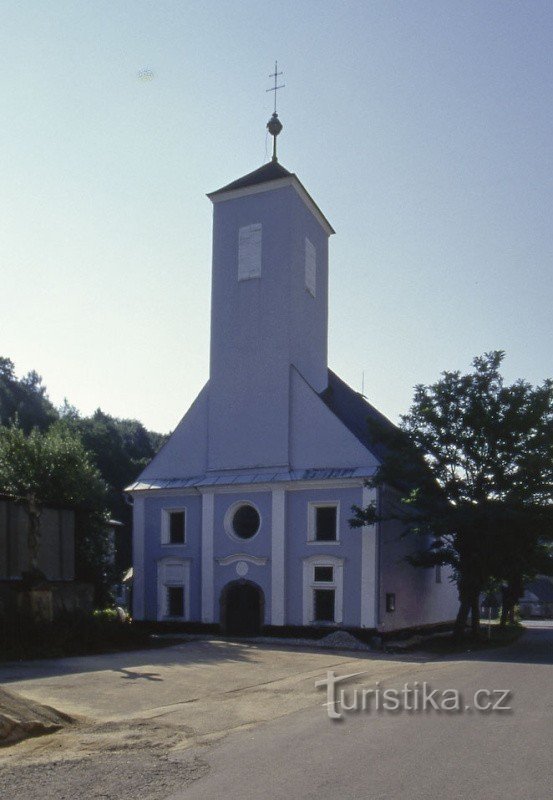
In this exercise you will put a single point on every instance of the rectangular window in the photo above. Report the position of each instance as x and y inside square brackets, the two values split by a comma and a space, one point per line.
[310, 267]
[249, 252]
[390, 602]
[324, 574]
[323, 605]
[175, 601]
[326, 523]
[176, 527]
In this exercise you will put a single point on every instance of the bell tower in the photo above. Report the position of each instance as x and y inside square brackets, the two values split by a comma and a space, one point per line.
[269, 312]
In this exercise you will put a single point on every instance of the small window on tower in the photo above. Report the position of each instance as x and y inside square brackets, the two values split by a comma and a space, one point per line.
[310, 267]
[249, 252]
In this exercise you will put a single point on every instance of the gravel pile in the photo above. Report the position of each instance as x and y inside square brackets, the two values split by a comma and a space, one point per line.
[343, 640]
[337, 640]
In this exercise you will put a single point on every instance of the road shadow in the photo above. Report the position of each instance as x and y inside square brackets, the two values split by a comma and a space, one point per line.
[134, 675]
[535, 646]
[192, 652]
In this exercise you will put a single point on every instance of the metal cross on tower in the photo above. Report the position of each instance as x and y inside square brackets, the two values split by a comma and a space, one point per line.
[274, 126]
[276, 74]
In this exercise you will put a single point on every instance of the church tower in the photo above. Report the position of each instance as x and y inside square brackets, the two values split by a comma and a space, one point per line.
[269, 313]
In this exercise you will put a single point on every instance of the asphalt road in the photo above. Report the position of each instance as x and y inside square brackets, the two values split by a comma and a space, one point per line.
[431, 755]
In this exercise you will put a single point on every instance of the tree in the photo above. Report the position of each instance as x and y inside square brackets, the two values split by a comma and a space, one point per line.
[49, 469]
[25, 399]
[473, 466]
[120, 448]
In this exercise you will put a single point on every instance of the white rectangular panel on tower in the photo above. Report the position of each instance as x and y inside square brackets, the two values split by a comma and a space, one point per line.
[249, 252]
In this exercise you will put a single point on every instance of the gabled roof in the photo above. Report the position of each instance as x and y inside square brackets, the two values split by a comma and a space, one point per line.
[356, 414]
[350, 407]
[268, 172]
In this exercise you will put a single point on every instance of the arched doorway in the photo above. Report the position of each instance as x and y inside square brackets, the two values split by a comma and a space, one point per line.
[242, 607]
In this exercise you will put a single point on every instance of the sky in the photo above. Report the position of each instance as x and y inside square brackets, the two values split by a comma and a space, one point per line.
[423, 130]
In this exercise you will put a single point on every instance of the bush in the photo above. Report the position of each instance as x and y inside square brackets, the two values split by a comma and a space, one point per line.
[71, 634]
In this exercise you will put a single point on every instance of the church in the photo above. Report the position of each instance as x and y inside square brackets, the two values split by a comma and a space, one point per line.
[240, 522]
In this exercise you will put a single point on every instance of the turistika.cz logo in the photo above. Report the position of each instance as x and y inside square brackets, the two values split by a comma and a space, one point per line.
[416, 697]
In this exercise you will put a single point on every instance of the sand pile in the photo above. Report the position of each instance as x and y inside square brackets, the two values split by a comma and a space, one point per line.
[21, 718]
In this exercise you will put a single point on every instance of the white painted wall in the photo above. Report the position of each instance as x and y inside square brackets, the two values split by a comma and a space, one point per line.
[419, 599]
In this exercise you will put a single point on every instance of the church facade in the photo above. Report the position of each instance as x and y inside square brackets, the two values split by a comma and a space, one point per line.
[241, 519]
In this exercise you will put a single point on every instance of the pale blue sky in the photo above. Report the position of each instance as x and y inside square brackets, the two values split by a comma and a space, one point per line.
[424, 130]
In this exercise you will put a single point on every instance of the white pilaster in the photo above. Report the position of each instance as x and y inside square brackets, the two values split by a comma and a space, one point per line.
[277, 556]
[138, 549]
[208, 509]
[369, 566]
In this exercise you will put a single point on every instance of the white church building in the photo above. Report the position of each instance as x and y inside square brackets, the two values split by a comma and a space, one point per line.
[241, 520]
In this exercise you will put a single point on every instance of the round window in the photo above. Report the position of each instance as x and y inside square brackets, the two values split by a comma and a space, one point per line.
[245, 521]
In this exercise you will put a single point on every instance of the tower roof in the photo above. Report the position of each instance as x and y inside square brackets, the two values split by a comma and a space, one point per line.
[268, 172]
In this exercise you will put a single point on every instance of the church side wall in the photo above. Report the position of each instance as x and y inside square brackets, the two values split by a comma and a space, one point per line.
[419, 598]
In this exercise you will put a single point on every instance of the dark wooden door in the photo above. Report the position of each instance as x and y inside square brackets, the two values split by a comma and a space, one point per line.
[243, 609]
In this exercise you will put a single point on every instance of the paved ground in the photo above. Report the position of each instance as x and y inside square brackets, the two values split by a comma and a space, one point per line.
[409, 756]
[204, 688]
[208, 719]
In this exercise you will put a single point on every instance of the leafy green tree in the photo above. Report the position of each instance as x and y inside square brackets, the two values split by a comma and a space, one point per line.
[25, 399]
[49, 469]
[472, 465]
[119, 448]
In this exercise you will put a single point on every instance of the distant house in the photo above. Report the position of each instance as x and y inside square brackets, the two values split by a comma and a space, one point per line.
[537, 600]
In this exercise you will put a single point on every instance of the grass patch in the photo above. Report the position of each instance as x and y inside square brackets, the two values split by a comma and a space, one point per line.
[500, 637]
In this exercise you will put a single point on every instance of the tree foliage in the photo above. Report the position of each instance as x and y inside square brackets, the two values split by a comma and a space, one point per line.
[53, 466]
[119, 448]
[25, 399]
[50, 468]
[473, 464]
